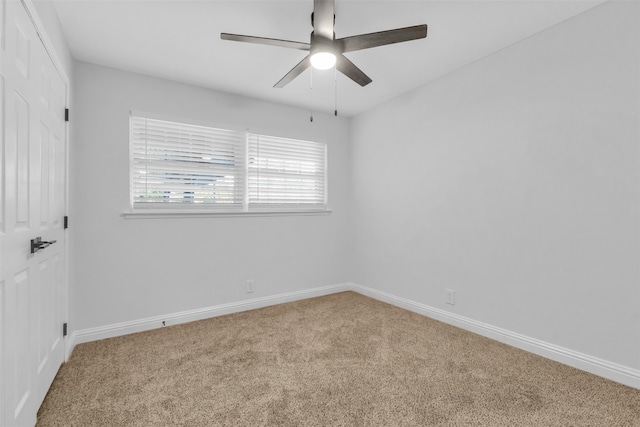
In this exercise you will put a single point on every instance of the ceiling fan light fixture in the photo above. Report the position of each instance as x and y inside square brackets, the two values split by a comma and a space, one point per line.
[323, 60]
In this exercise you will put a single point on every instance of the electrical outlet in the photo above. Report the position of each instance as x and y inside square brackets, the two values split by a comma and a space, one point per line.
[450, 296]
[249, 286]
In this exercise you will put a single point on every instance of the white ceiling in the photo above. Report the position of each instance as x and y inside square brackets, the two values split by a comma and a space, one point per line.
[180, 40]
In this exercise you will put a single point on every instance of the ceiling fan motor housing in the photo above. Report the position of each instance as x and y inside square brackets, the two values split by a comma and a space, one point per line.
[322, 44]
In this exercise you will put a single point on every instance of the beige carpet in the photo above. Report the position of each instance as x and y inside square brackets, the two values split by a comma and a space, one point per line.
[343, 359]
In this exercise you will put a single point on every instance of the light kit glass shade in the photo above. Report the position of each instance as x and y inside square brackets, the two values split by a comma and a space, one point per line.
[323, 60]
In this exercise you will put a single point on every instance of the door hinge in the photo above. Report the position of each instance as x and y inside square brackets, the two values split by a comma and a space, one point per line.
[66, 222]
[64, 329]
[66, 114]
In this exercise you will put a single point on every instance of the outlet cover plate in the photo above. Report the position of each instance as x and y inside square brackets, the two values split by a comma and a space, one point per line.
[450, 296]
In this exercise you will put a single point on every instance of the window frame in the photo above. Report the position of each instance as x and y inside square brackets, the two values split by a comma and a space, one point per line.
[192, 210]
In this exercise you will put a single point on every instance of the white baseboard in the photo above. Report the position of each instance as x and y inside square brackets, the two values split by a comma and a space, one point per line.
[585, 362]
[140, 325]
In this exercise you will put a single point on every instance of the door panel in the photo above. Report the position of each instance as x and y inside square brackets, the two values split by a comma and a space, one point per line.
[43, 314]
[19, 343]
[44, 156]
[2, 153]
[22, 44]
[21, 146]
[32, 204]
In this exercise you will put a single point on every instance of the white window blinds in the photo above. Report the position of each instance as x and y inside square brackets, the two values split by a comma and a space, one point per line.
[177, 164]
[286, 173]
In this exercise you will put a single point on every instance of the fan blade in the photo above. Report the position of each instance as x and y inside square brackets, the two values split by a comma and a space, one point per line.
[349, 69]
[295, 72]
[381, 38]
[323, 13]
[263, 40]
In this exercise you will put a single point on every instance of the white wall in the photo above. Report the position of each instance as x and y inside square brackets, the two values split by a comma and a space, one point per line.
[515, 182]
[128, 269]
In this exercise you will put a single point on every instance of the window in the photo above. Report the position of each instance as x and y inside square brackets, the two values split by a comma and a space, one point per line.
[286, 172]
[182, 166]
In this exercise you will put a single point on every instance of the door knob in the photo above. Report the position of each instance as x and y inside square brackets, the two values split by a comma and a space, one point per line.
[38, 243]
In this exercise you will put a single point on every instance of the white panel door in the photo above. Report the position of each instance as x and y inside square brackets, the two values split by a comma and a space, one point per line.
[33, 203]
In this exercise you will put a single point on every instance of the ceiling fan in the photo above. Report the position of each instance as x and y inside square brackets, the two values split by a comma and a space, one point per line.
[325, 50]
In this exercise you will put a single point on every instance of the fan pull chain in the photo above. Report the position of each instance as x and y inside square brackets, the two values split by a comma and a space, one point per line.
[311, 95]
[335, 95]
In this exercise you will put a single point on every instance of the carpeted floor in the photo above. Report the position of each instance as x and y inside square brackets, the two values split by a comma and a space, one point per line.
[343, 359]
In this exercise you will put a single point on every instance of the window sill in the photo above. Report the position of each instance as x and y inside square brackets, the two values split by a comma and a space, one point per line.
[151, 214]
